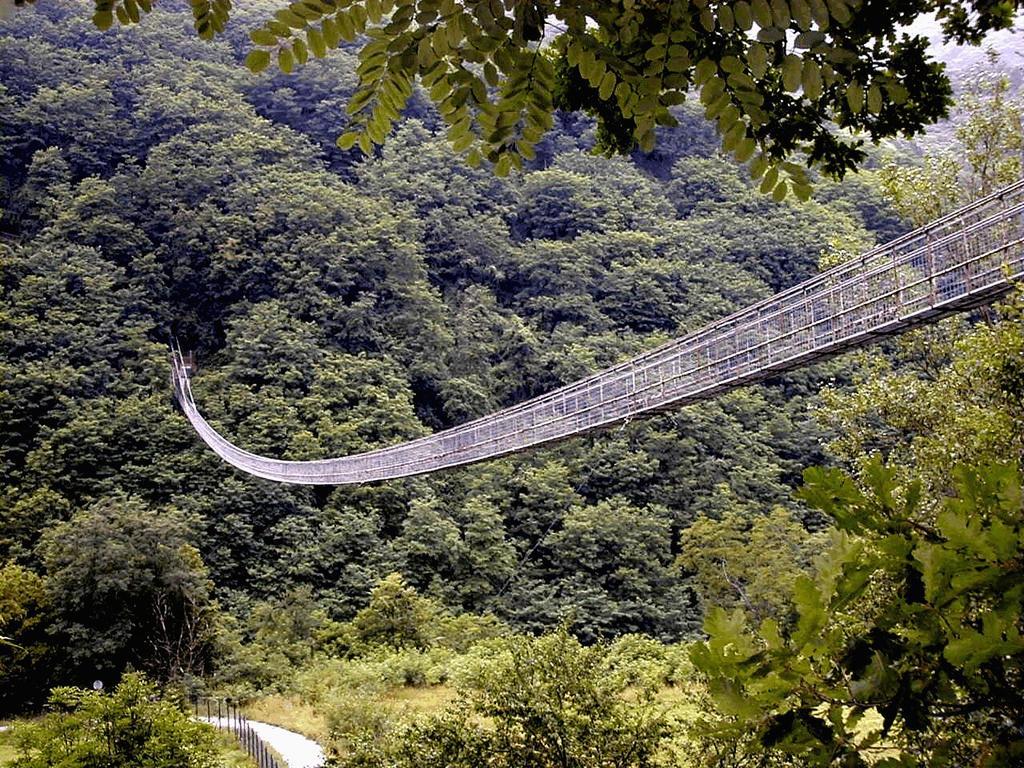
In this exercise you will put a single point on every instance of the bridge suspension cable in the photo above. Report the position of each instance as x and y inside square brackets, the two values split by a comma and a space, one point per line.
[957, 262]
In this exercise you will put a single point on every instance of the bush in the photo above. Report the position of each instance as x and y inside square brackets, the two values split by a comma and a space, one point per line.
[541, 703]
[129, 728]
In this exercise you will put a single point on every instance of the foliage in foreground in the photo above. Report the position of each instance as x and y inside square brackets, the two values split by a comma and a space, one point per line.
[128, 728]
[914, 616]
[775, 77]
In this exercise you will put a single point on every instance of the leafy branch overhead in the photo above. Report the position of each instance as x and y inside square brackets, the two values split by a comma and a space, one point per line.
[777, 77]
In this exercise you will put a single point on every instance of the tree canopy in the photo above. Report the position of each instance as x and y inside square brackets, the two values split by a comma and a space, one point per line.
[776, 77]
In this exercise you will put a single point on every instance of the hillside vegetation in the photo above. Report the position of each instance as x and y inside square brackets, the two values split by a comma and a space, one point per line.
[655, 595]
[337, 305]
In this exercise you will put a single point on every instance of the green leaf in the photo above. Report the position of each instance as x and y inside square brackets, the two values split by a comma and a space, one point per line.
[331, 33]
[791, 72]
[780, 13]
[771, 35]
[348, 140]
[103, 20]
[503, 166]
[263, 37]
[727, 633]
[726, 18]
[874, 99]
[730, 64]
[285, 61]
[346, 27]
[290, 18]
[855, 96]
[730, 699]
[743, 15]
[257, 60]
[132, 9]
[839, 11]
[820, 14]
[757, 58]
[801, 13]
[811, 80]
[705, 69]
[802, 192]
[762, 13]
[810, 607]
[315, 39]
[745, 150]
[758, 167]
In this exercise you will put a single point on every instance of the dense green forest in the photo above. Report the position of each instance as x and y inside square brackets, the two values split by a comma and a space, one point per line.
[338, 305]
[155, 189]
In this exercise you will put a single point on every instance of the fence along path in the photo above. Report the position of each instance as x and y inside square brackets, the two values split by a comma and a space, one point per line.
[225, 715]
[960, 261]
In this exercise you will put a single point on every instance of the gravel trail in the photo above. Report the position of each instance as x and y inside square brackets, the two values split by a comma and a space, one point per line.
[296, 749]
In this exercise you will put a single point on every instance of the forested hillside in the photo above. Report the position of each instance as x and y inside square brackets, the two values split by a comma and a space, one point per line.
[704, 588]
[336, 305]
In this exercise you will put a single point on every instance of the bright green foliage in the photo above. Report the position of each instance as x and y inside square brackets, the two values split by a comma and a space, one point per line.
[956, 399]
[992, 134]
[25, 653]
[548, 703]
[924, 193]
[749, 563]
[396, 616]
[915, 618]
[773, 77]
[989, 137]
[130, 727]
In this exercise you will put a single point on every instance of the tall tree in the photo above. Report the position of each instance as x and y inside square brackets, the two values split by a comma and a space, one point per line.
[127, 587]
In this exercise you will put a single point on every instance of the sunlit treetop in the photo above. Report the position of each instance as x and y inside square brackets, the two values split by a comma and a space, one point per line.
[789, 84]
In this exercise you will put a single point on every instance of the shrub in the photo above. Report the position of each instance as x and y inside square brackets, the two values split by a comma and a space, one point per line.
[543, 702]
[129, 728]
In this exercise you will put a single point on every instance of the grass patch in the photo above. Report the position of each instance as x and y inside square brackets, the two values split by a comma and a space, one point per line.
[7, 749]
[427, 700]
[231, 753]
[291, 713]
[8, 745]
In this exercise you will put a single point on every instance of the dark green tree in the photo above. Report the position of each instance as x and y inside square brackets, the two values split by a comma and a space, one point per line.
[126, 586]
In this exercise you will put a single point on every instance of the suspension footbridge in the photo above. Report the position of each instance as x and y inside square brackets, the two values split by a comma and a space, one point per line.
[958, 262]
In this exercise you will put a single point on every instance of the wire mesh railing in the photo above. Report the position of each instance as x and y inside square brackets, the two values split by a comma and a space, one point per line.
[957, 262]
